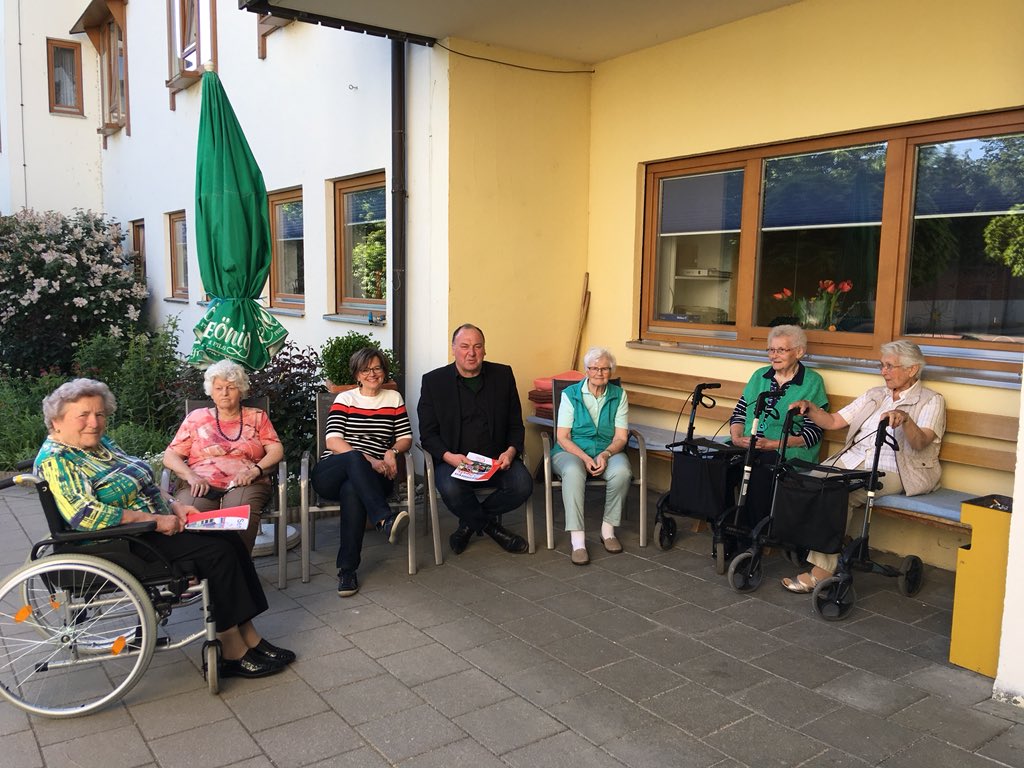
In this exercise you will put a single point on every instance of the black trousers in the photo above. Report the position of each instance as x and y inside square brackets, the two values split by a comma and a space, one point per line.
[221, 559]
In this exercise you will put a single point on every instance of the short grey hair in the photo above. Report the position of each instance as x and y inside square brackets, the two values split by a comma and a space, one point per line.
[596, 353]
[794, 332]
[907, 352]
[229, 371]
[73, 391]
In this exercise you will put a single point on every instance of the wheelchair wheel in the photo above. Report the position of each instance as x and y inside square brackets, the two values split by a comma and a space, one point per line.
[76, 633]
[834, 598]
[721, 559]
[911, 576]
[745, 572]
[665, 533]
[211, 665]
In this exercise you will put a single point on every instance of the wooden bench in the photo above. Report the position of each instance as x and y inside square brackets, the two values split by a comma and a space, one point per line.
[660, 391]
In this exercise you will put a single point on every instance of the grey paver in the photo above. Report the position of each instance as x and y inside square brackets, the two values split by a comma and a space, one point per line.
[879, 659]
[601, 715]
[867, 736]
[465, 753]
[870, 693]
[20, 750]
[760, 742]
[932, 753]
[409, 733]
[785, 702]
[1007, 748]
[509, 724]
[563, 750]
[427, 662]
[371, 698]
[662, 745]
[549, 683]
[466, 632]
[965, 728]
[722, 673]
[637, 678]
[696, 709]
[308, 740]
[463, 692]
[212, 745]
[587, 651]
[284, 703]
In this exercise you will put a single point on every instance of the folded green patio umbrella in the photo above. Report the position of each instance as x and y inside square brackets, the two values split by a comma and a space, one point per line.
[232, 240]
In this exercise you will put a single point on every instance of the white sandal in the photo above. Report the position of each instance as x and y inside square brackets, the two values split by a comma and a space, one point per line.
[798, 586]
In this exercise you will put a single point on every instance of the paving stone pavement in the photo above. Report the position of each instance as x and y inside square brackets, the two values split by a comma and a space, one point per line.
[643, 659]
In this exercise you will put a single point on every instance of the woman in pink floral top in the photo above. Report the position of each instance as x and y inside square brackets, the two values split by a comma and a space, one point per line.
[224, 455]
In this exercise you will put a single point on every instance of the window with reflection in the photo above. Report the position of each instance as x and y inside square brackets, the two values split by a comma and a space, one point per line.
[361, 244]
[179, 254]
[287, 265]
[966, 277]
[698, 248]
[820, 226]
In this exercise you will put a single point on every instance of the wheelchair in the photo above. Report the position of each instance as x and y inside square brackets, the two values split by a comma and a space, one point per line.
[81, 620]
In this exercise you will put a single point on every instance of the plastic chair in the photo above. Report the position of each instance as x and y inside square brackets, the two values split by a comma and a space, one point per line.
[278, 512]
[311, 505]
[552, 481]
[432, 497]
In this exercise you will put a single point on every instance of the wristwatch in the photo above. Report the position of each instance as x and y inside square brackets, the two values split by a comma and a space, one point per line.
[395, 451]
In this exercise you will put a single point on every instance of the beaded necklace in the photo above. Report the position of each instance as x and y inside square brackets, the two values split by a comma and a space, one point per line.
[241, 425]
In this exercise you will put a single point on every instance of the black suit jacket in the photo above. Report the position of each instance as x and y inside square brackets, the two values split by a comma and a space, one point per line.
[441, 419]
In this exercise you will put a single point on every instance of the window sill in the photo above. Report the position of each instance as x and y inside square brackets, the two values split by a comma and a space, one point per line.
[109, 129]
[183, 81]
[363, 318]
[286, 311]
[969, 373]
[176, 299]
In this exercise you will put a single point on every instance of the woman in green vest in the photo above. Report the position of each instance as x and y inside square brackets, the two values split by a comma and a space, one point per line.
[591, 429]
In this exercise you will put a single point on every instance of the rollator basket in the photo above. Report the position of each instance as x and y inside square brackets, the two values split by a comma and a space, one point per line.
[704, 482]
[810, 512]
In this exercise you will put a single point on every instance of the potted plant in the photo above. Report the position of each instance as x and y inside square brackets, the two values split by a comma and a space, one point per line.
[338, 350]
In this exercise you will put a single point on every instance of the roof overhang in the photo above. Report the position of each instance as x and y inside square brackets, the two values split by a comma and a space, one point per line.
[586, 31]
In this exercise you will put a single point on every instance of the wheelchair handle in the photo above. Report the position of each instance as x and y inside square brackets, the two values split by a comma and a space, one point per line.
[25, 479]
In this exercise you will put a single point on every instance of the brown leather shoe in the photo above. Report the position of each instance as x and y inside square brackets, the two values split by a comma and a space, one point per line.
[580, 556]
[611, 544]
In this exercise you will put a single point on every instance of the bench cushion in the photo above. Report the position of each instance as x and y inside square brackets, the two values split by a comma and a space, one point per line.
[944, 503]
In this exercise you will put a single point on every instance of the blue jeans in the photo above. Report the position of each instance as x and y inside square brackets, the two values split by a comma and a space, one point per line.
[361, 492]
[512, 487]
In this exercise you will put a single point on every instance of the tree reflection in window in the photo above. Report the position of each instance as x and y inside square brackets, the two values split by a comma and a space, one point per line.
[966, 277]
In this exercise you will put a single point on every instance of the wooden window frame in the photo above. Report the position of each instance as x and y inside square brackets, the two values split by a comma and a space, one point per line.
[78, 109]
[138, 233]
[180, 77]
[893, 259]
[177, 291]
[346, 302]
[279, 298]
[96, 23]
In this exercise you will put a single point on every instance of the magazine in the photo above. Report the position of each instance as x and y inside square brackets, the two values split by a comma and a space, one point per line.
[227, 519]
[476, 468]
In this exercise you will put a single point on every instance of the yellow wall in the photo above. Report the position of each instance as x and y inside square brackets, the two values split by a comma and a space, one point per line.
[519, 148]
[812, 68]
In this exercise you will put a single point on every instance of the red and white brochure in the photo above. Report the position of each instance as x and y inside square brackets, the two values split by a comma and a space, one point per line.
[228, 519]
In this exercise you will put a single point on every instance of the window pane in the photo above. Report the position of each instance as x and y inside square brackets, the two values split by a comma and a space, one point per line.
[289, 272]
[179, 245]
[820, 227]
[366, 244]
[65, 92]
[698, 248]
[966, 275]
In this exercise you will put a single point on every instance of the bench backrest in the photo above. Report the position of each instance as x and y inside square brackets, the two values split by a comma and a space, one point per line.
[669, 392]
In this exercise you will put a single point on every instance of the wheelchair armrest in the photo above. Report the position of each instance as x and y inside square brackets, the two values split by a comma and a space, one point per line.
[165, 480]
[113, 531]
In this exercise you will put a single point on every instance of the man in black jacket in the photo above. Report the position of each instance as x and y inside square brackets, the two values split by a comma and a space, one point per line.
[467, 406]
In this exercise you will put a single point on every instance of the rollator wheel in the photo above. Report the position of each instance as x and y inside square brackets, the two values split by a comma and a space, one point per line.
[76, 633]
[665, 533]
[720, 564]
[911, 576]
[211, 665]
[745, 572]
[834, 598]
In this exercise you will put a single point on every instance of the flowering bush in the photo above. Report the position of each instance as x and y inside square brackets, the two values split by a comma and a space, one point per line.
[822, 310]
[62, 279]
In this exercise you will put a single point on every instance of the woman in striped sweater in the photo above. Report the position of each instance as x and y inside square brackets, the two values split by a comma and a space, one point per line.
[367, 430]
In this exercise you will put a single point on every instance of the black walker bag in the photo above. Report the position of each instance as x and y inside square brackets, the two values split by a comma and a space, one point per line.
[704, 484]
[810, 512]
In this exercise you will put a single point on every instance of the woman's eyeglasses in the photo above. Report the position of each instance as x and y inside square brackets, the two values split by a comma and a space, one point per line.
[890, 366]
[595, 369]
[375, 369]
[778, 350]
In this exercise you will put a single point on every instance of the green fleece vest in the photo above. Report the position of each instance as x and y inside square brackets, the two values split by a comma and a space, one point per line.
[590, 437]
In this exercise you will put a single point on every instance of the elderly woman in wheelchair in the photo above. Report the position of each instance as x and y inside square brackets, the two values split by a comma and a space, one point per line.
[101, 501]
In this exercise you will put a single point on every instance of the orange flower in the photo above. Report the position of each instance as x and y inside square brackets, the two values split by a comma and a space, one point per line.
[846, 286]
[829, 286]
[782, 295]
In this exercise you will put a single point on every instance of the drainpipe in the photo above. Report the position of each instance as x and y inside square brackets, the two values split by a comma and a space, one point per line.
[398, 208]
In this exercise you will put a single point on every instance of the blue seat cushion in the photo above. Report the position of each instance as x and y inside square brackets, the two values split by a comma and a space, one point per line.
[944, 503]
